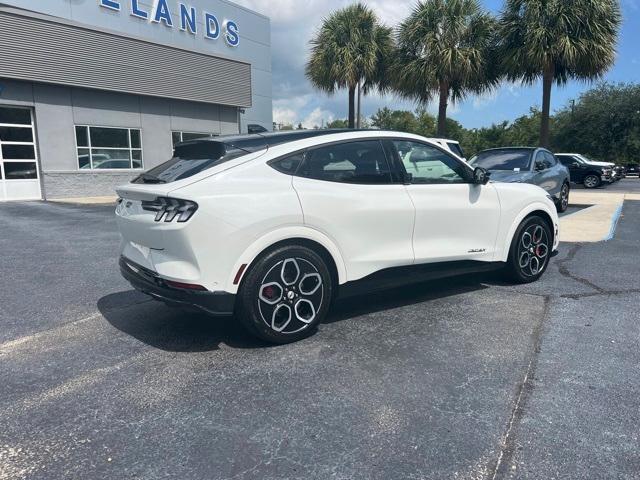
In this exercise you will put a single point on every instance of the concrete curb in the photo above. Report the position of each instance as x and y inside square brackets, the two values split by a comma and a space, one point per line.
[107, 200]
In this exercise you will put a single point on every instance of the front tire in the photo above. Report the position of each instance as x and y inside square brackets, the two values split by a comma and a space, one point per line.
[285, 295]
[530, 251]
[563, 202]
[592, 181]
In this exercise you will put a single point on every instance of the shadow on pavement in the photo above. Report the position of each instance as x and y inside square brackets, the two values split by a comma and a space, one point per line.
[178, 330]
[347, 308]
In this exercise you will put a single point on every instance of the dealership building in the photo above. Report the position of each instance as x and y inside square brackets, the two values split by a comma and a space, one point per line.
[94, 91]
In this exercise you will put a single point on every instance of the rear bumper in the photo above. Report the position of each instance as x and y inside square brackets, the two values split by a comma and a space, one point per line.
[150, 283]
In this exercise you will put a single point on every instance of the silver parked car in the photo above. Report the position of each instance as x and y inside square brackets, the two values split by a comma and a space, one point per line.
[537, 166]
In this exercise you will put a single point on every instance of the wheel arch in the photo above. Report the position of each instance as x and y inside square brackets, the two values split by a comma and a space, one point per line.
[304, 236]
[537, 209]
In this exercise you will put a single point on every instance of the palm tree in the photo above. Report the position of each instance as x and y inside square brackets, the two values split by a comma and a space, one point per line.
[557, 40]
[444, 49]
[351, 48]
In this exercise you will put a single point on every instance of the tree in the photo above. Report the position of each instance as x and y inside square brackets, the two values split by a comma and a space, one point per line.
[351, 48]
[604, 124]
[557, 40]
[445, 49]
[421, 122]
[338, 123]
[525, 130]
[398, 120]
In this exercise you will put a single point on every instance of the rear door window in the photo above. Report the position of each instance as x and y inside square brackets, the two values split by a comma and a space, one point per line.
[361, 162]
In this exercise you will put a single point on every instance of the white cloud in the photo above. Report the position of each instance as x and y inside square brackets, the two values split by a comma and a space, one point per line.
[317, 118]
[293, 23]
[484, 100]
[284, 116]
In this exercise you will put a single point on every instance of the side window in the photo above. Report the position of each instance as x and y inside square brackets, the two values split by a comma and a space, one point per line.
[565, 160]
[429, 165]
[551, 159]
[353, 162]
[542, 162]
[456, 148]
[288, 164]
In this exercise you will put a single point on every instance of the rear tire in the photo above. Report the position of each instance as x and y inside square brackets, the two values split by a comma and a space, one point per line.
[285, 295]
[530, 251]
[592, 181]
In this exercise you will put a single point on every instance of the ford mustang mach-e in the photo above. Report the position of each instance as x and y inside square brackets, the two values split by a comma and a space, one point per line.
[275, 226]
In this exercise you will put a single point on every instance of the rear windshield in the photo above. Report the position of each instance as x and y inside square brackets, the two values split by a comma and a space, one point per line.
[503, 159]
[190, 159]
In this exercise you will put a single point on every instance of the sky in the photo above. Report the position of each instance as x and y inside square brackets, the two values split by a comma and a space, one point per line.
[294, 22]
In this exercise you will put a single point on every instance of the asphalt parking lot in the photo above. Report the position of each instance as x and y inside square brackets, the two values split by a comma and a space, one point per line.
[468, 378]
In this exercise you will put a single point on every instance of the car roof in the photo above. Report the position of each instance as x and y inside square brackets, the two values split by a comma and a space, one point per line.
[510, 148]
[259, 141]
[438, 139]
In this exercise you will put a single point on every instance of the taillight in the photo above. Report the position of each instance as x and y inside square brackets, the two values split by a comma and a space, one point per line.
[170, 208]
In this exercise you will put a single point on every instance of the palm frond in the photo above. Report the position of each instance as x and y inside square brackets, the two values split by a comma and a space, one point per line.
[575, 39]
[351, 46]
[445, 42]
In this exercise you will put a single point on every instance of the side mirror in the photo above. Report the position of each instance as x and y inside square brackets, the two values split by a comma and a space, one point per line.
[540, 166]
[480, 176]
[574, 164]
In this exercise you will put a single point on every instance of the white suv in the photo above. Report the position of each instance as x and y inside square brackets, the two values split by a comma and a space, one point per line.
[275, 226]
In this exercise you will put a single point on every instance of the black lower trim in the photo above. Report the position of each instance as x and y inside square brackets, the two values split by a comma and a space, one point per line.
[150, 283]
[399, 276]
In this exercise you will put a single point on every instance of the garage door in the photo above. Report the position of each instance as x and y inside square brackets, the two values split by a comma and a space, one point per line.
[18, 155]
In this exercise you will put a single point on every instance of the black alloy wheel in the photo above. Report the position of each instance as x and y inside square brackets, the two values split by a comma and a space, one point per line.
[530, 250]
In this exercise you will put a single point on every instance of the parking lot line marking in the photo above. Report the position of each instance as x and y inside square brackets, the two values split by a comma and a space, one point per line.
[13, 344]
[75, 384]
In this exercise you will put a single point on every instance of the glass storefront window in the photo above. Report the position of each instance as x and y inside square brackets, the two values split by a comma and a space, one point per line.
[104, 148]
[177, 137]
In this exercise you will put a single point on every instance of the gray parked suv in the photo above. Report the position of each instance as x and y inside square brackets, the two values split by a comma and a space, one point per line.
[527, 165]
